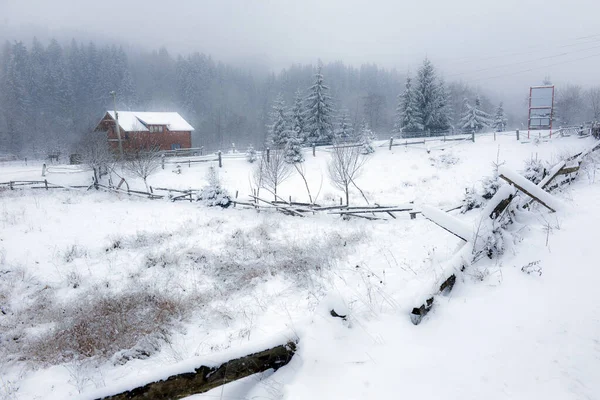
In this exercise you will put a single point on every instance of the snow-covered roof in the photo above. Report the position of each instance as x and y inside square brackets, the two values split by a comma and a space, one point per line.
[137, 121]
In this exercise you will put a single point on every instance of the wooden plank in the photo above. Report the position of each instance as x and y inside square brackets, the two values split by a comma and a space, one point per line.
[527, 193]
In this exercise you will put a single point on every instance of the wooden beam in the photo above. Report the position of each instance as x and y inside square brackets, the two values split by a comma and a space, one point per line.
[527, 193]
[205, 378]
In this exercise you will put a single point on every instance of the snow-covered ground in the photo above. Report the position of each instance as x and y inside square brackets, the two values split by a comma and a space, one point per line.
[230, 280]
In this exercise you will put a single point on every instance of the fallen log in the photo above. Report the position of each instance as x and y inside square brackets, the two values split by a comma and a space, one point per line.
[205, 378]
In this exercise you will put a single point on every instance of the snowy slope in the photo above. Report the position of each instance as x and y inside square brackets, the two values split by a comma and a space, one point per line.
[513, 335]
[501, 333]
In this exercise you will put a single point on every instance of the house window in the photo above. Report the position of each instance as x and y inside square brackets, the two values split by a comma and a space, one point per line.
[160, 128]
[156, 128]
[175, 146]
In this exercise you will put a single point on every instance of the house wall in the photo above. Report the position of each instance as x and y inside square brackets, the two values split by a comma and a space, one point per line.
[136, 139]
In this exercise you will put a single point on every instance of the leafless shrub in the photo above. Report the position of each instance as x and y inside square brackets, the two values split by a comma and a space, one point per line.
[96, 153]
[142, 159]
[345, 167]
[73, 252]
[272, 172]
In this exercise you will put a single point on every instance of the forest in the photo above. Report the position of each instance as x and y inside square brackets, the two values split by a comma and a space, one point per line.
[52, 94]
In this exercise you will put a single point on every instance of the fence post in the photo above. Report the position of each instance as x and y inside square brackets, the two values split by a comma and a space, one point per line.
[494, 136]
[314, 149]
[44, 169]
[517, 134]
[10, 184]
[473, 136]
[268, 155]
[25, 160]
[391, 142]
[236, 196]
[46, 183]
[162, 160]
[220, 159]
[190, 164]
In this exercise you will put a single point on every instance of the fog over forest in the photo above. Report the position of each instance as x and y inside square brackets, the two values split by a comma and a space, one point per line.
[58, 66]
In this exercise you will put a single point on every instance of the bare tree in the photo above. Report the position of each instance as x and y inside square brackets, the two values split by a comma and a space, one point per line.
[593, 97]
[345, 166]
[142, 159]
[302, 172]
[95, 152]
[272, 172]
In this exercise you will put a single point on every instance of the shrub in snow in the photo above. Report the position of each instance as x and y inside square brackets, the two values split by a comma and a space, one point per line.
[72, 252]
[489, 186]
[444, 160]
[471, 200]
[535, 170]
[251, 154]
[213, 194]
[477, 197]
[177, 169]
[533, 268]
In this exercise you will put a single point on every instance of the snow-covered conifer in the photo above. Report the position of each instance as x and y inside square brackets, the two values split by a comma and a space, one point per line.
[278, 129]
[366, 139]
[318, 114]
[297, 116]
[293, 148]
[251, 154]
[408, 118]
[344, 130]
[474, 119]
[499, 119]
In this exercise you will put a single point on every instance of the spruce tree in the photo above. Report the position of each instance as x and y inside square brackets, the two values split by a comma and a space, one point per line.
[499, 119]
[474, 119]
[366, 139]
[344, 129]
[443, 109]
[293, 148]
[427, 94]
[408, 118]
[319, 112]
[298, 116]
[278, 129]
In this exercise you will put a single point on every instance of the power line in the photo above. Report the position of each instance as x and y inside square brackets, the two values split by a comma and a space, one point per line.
[536, 68]
[523, 62]
[527, 50]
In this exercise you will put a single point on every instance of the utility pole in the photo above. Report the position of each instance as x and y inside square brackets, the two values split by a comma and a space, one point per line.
[114, 95]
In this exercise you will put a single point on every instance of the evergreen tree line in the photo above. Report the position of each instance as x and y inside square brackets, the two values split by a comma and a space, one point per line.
[52, 95]
[428, 105]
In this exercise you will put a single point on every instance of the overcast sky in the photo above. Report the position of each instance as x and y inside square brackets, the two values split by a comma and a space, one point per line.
[462, 37]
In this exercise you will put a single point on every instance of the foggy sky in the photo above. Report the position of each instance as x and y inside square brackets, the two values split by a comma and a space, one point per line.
[461, 37]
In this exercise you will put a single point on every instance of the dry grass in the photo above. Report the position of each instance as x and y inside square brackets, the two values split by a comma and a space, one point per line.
[101, 325]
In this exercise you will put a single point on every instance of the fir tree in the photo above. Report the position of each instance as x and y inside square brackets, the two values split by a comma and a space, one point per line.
[319, 112]
[427, 95]
[293, 148]
[278, 129]
[298, 116]
[499, 119]
[344, 130]
[474, 119]
[366, 139]
[408, 118]
[443, 109]
[432, 99]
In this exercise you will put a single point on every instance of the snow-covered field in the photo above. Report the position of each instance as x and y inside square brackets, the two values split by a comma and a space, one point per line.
[100, 289]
